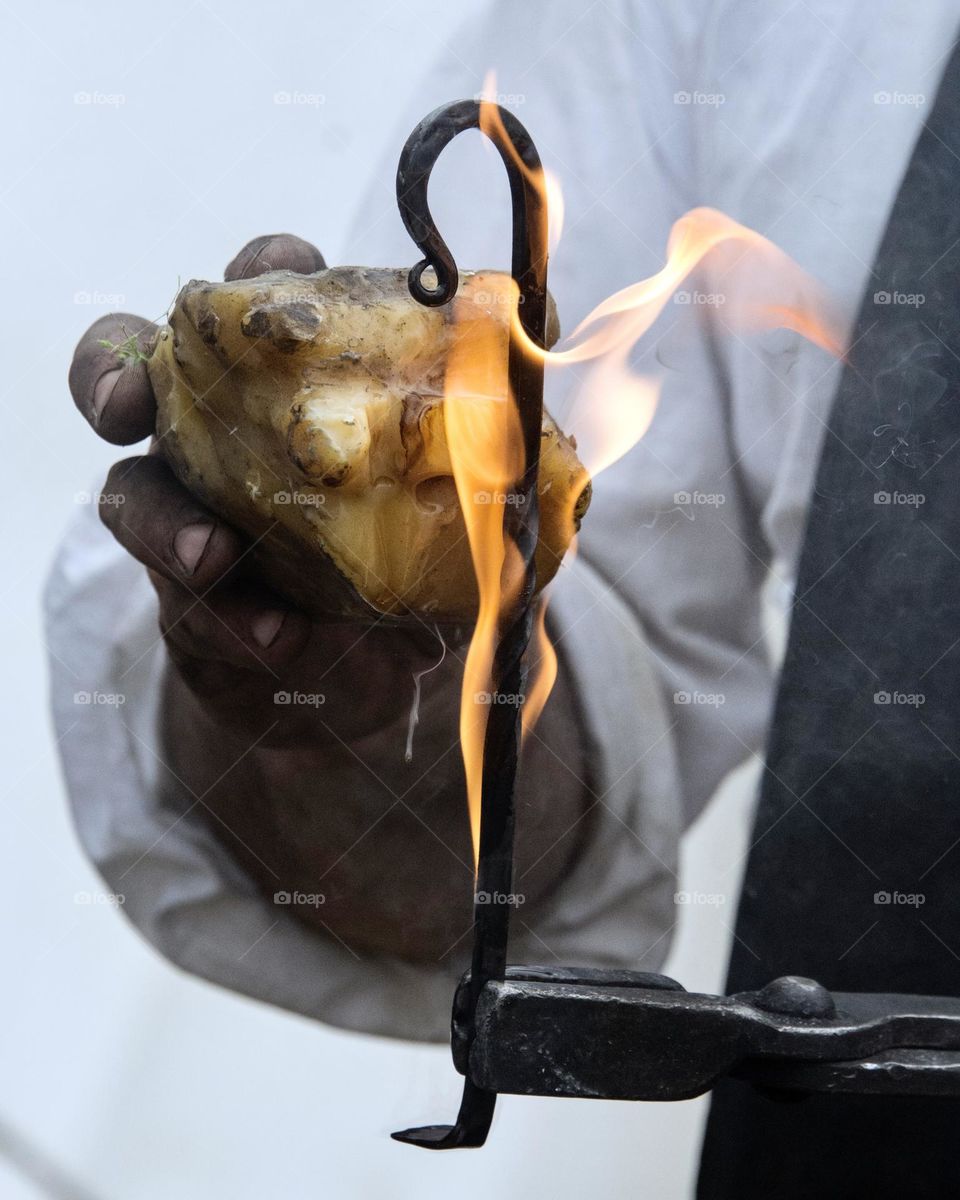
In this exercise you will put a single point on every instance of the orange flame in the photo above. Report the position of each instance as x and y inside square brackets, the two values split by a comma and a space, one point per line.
[613, 408]
[767, 290]
[544, 181]
[543, 672]
[486, 454]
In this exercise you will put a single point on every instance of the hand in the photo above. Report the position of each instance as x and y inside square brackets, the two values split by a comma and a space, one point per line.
[234, 642]
[298, 792]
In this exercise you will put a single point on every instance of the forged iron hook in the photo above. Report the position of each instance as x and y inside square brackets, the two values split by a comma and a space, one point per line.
[525, 374]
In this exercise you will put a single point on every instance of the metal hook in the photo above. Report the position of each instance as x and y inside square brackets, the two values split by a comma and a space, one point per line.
[525, 373]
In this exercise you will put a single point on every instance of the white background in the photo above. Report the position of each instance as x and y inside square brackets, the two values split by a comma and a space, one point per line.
[116, 1072]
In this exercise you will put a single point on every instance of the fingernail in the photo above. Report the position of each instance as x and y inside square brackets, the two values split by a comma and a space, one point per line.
[275, 252]
[103, 390]
[190, 543]
[266, 627]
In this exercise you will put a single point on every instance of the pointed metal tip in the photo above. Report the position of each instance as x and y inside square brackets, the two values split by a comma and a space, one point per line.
[470, 1130]
[430, 1137]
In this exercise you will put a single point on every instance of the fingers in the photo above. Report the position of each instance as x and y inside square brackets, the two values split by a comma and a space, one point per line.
[108, 378]
[236, 624]
[275, 252]
[155, 518]
[191, 555]
[206, 615]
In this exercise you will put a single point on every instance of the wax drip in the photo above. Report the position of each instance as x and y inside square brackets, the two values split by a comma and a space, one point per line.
[415, 707]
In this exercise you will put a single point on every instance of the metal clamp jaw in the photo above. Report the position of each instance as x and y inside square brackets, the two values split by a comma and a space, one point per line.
[625, 1035]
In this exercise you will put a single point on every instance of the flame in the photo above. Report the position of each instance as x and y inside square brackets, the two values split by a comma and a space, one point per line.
[486, 453]
[777, 292]
[612, 410]
[543, 670]
[545, 181]
[614, 406]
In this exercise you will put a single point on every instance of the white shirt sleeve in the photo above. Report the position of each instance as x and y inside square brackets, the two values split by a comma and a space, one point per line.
[658, 621]
[180, 887]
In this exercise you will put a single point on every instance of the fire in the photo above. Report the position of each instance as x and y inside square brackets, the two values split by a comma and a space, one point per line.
[545, 181]
[543, 670]
[486, 454]
[614, 406]
[767, 289]
[612, 410]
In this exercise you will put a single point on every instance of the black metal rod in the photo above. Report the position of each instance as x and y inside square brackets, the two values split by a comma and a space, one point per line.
[525, 374]
[609, 1036]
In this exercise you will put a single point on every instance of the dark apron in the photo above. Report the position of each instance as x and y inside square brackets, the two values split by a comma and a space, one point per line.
[854, 873]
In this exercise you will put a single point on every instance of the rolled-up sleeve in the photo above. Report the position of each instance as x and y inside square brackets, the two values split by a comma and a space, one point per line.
[191, 901]
[659, 605]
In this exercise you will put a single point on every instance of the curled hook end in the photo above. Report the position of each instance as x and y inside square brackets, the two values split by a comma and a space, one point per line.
[433, 297]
